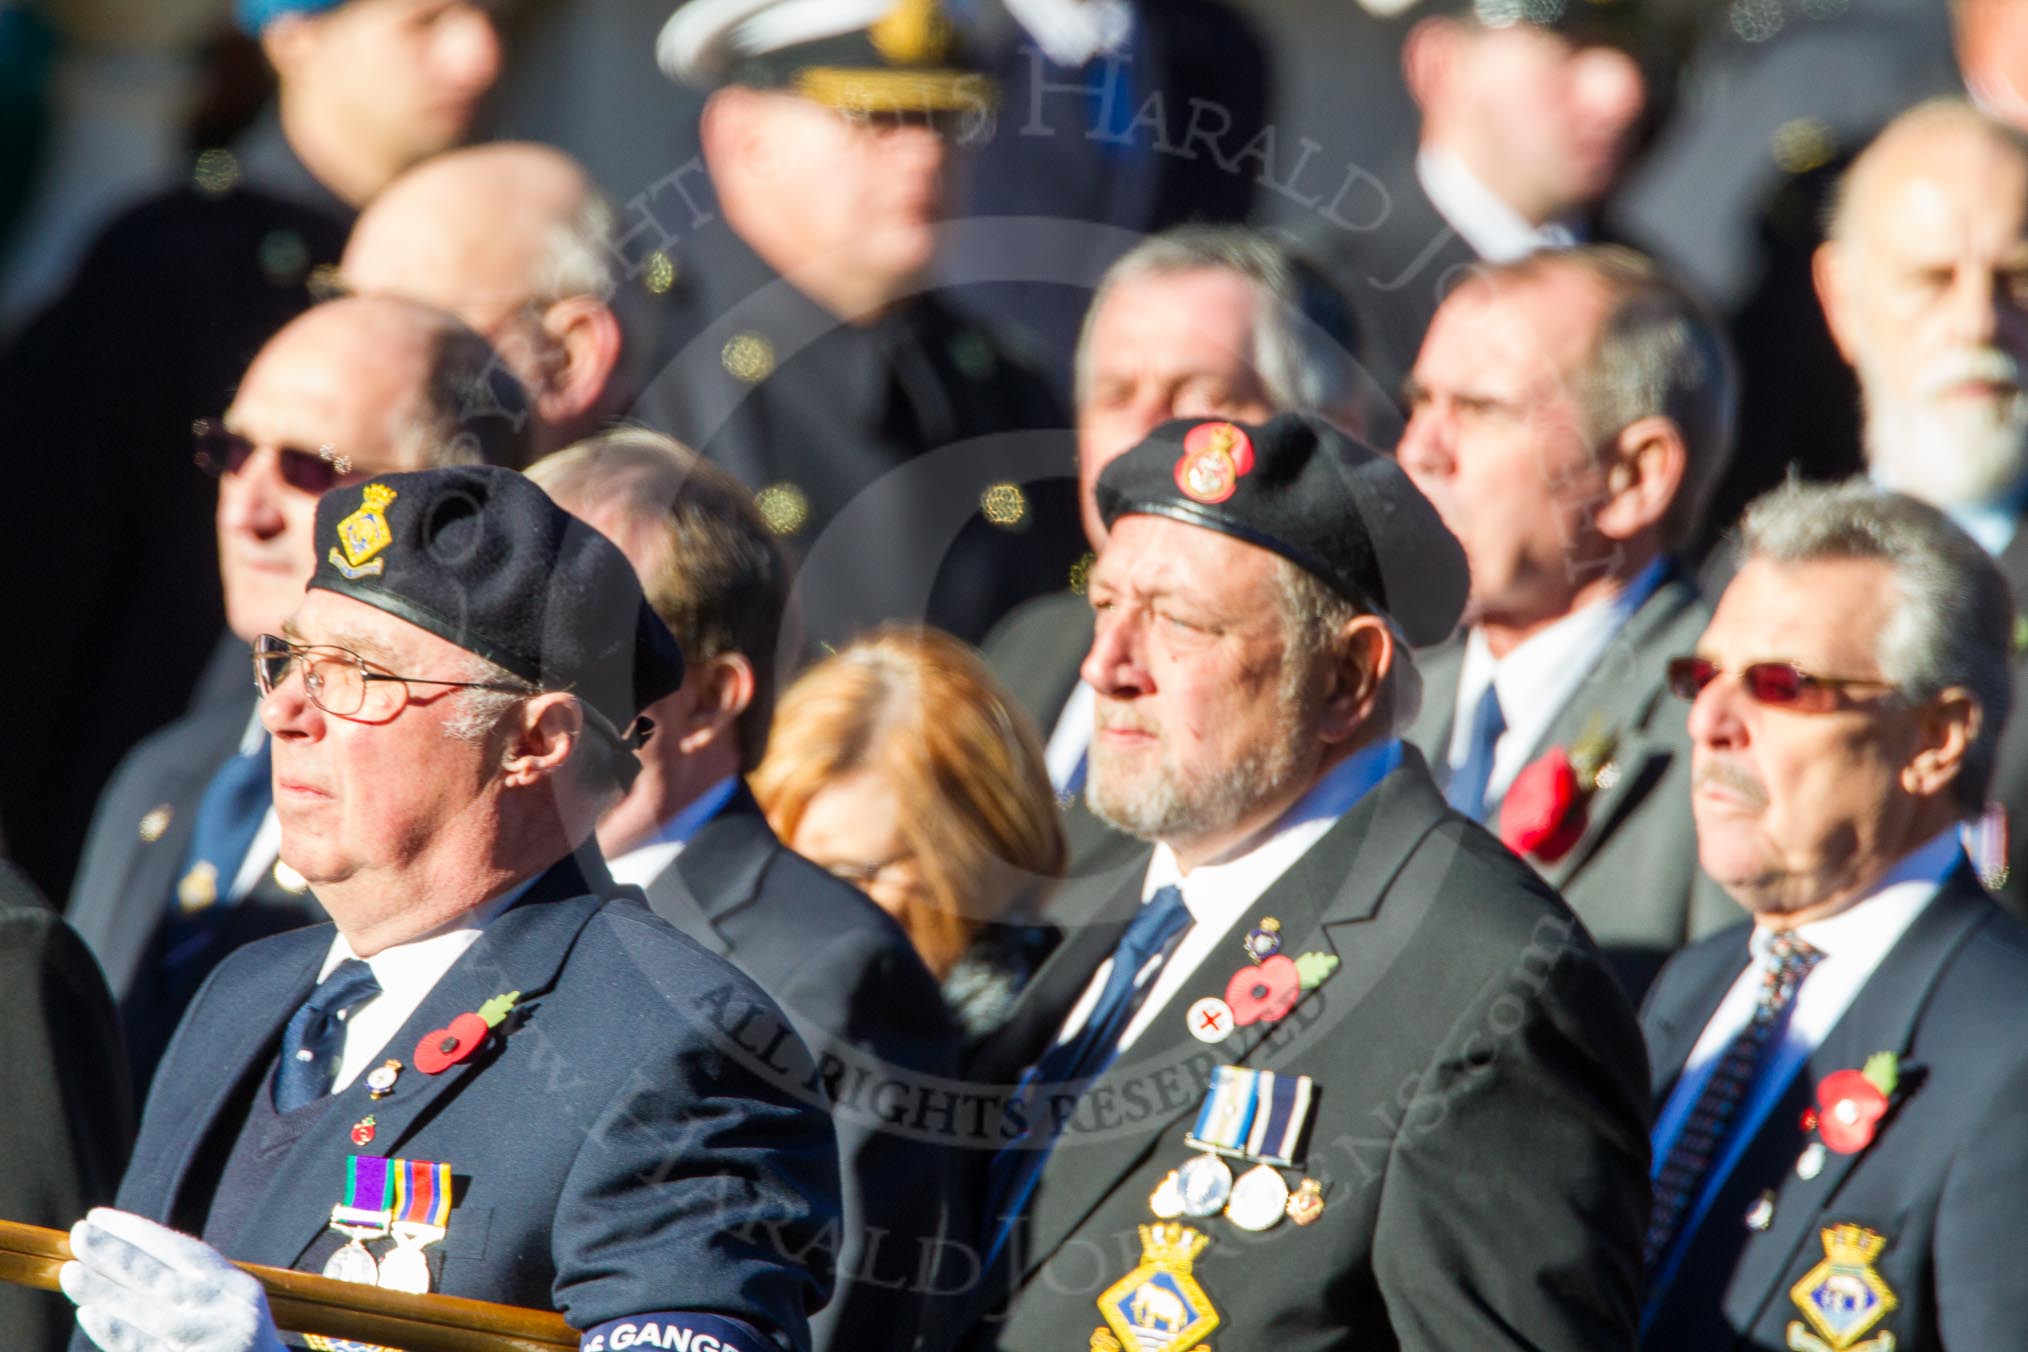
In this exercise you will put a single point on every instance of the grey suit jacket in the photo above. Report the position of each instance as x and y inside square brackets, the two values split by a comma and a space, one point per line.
[1944, 1182]
[1632, 876]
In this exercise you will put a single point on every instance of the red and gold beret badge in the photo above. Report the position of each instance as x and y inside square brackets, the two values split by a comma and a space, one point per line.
[1215, 455]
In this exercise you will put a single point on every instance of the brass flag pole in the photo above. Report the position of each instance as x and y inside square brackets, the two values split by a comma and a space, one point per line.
[303, 1302]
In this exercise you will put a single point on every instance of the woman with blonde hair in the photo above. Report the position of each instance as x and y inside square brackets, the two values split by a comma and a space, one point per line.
[901, 764]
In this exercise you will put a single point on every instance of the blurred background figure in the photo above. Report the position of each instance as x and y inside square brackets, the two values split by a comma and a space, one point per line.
[1570, 414]
[1117, 119]
[913, 466]
[901, 765]
[1198, 321]
[1528, 113]
[1924, 283]
[1772, 102]
[691, 836]
[514, 239]
[166, 309]
[180, 867]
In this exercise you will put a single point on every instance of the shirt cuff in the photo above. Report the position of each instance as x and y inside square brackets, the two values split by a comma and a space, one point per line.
[676, 1331]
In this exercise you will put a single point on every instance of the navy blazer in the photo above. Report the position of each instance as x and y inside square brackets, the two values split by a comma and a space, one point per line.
[854, 988]
[1945, 1181]
[636, 1137]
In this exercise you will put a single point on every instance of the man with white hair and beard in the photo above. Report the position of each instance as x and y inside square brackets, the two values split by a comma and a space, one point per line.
[1924, 283]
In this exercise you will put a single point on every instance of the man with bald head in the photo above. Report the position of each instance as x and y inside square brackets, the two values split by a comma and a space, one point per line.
[514, 239]
[180, 866]
[1924, 283]
[153, 332]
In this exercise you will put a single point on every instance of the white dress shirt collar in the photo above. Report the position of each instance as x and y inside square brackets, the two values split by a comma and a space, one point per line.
[644, 863]
[1496, 232]
[407, 973]
[1218, 895]
[1539, 677]
[1862, 933]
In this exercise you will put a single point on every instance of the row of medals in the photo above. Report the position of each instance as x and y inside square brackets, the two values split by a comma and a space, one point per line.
[1259, 1198]
[404, 1268]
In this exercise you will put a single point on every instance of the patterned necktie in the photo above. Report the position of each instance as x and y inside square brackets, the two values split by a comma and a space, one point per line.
[1467, 788]
[316, 1034]
[1072, 1062]
[1681, 1178]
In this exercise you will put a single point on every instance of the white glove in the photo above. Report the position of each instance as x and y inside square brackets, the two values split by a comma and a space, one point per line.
[142, 1287]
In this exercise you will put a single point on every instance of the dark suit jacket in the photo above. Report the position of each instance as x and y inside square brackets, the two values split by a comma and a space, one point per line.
[1480, 1128]
[68, 1121]
[852, 985]
[877, 442]
[1394, 257]
[1036, 652]
[638, 1136]
[1946, 1178]
[1632, 876]
[124, 900]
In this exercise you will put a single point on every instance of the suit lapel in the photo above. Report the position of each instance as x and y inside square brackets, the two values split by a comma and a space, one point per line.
[1338, 883]
[1881, 1018]
[521, 950]
[1705, 974]
[718, 872]
[1440, 668]
[1620, 697]
[148, 886]
[275, 987]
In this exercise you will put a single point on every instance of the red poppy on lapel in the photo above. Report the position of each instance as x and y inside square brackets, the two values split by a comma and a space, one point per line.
[443, 1048]
[1542, 814]
[1850, 1103]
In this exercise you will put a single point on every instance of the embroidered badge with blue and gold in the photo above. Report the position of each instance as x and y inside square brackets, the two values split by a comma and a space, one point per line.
[1843, 1298]
[364, 534]
[1159, 1307]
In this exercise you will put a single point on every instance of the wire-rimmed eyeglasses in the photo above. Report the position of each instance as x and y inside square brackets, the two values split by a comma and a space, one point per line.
[336, 679]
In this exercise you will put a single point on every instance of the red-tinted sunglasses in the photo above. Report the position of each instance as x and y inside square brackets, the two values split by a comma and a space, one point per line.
[220, 452]
[1783, 685]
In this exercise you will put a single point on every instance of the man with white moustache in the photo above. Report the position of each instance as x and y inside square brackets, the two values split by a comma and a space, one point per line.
[1924, 283]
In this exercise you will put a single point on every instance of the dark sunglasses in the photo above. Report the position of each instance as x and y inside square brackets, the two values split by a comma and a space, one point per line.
[1781, 685]
[220, 452]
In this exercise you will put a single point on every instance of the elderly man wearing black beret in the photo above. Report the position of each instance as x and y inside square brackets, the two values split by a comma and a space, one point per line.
[1334, 1068]
[498, 1077]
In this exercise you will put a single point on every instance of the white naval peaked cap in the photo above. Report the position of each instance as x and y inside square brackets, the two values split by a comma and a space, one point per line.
[703, 38]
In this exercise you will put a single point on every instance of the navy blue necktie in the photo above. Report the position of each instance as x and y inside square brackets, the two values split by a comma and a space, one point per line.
[1467, 788]
[1684, 1171]
[229, 816]
[316, 1034]
[1081, 1057]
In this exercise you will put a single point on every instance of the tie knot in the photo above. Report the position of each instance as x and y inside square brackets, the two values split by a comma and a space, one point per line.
[351, 982]
[1158, 921]
[1790, 952]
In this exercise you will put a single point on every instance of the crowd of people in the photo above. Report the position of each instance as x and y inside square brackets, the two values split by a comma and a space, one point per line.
[937, 732]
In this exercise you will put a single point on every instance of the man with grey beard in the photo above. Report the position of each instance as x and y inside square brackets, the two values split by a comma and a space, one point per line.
[1333, 1067]
[1924, 283]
